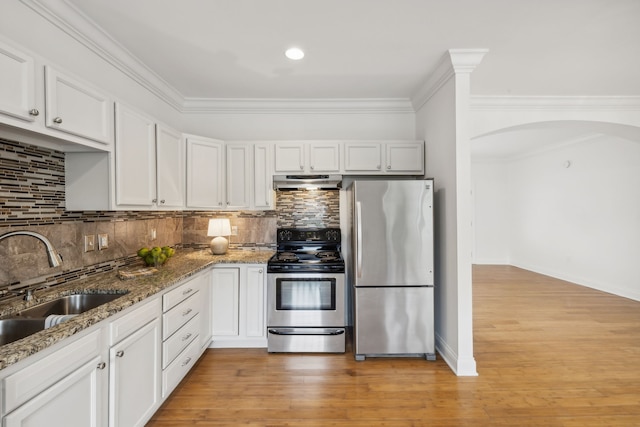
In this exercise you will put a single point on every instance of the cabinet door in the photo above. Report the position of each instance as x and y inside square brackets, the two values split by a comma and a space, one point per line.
[405, 157]
[226, 290]
[74, 401]
[75, 108]
[324, 157]
[255, 301]
[239, 172]
[134, 385]
[135, 166]
[17, 85]
[205, 173]
[363, 157]
[204, 284]
[263, 177]
[289, 157]
[170, 167]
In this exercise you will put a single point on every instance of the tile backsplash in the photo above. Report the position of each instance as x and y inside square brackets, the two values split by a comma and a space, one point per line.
[32, 198]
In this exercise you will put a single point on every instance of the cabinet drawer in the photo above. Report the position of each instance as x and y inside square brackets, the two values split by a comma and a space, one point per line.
[129, 323]
[178, 341]
[175, 296]
[179, 368]
[179, 315]
[27, 383]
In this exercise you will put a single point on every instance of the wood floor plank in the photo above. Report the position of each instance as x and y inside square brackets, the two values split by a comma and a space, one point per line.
[549, 353]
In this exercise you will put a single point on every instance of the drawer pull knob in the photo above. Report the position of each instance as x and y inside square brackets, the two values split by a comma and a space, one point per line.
[186, 337]
[120, 353]
[101, 365]
[187, 291]
[57, 120]
[186, 362]
[34, 112]
[186, 312]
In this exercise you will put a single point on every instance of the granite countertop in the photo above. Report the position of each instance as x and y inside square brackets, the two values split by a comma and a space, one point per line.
[182, 265]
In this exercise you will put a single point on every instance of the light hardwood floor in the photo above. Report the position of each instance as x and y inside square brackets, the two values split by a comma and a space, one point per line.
[549, 353]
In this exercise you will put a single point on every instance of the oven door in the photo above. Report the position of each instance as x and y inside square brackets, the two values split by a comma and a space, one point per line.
[305, 300]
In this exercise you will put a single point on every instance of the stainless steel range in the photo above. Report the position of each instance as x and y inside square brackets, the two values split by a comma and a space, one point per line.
[306, 292]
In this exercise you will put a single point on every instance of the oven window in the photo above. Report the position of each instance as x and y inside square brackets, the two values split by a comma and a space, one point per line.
[305, 294]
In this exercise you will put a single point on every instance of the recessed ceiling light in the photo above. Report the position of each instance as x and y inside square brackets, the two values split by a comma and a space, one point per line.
[294, 53]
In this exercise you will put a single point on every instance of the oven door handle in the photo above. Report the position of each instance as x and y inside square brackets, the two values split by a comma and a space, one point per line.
[315, 331]
[358, 239]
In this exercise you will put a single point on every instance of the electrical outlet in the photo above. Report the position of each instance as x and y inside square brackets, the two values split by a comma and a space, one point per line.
[89, 243]
[103, 241]
[234, 230]
[153, 234]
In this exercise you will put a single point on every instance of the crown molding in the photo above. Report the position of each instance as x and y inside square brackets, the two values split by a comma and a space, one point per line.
[297, 106]
[77, 25]
[454, 61]
[556, 103]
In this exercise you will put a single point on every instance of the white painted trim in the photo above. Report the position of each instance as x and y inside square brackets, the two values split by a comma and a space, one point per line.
[451, 358]
[298, 106]
[452, 62]
[556, 103]
[77, 25]
[580, 281]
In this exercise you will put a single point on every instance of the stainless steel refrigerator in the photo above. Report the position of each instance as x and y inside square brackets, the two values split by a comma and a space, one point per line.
[391, 268]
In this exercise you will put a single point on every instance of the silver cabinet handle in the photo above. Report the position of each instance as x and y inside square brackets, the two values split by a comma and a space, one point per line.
[219, 203]
[154, 201]
[101, 365]
[260, 271]
[301, 167]
[388, 166]
[57, 120]
[186, 337]
[186, 362]
[186, 312]
[311, 167]
[162, 202]
[187, 291]
[120, 353]
[378, 167]
[34, 112]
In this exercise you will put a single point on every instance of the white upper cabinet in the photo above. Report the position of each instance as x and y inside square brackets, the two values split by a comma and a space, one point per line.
[289, 157]
[384, 157]
[324, 157]
[17, 85]
[170, 167]
[263, 194]
[307, 157]
[49, 102]
[239, 174]
[135, 167]
[76, 108]
[205, 173]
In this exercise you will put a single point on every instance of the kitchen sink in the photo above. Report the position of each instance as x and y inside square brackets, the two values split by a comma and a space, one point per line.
[33, 319]
[70, 304]
[14, 329]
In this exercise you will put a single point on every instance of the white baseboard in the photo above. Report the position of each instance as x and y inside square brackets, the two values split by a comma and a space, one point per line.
[460, 367]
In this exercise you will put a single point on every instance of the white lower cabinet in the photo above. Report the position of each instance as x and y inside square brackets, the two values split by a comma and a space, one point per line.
[239, 305]
[118, 372]
[64, 388]
[134, 366]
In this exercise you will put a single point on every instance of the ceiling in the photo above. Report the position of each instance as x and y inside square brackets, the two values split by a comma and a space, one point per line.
[377, 48]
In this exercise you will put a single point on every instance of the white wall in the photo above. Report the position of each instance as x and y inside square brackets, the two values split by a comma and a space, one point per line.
[491, 203]
[579, 223]
[301, 125]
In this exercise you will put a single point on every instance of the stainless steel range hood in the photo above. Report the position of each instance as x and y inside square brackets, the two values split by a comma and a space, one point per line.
[307, 182]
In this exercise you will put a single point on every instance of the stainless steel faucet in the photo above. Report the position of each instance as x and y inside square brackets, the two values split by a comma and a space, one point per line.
[54, 257]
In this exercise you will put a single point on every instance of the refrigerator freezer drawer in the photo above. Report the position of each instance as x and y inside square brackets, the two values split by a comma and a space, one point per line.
[393, 321]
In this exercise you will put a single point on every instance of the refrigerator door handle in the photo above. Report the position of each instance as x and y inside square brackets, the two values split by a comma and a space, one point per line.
[358, 239]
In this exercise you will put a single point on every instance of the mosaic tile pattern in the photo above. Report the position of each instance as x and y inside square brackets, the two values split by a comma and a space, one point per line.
[308, 208]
